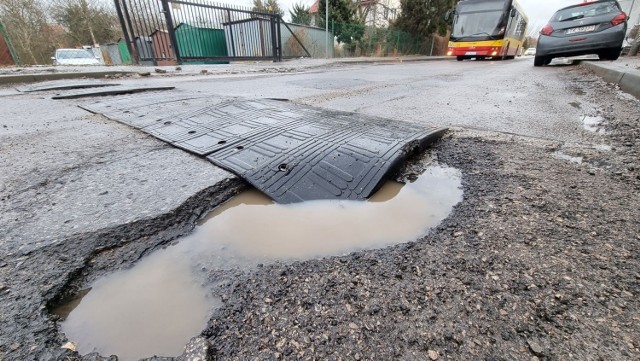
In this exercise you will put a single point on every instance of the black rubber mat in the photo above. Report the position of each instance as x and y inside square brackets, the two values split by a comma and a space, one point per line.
[146, 109]
[63, 85]
[119, 90]
[290, 152]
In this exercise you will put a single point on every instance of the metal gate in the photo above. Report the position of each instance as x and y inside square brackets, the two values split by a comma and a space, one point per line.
[170, 32]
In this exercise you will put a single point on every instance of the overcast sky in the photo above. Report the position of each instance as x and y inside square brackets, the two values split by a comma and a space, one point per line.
[538, 11]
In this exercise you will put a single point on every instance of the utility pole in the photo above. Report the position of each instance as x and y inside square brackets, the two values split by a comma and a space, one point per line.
[326, 28]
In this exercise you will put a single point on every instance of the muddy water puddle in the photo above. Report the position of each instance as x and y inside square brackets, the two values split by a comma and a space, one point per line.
[155, 307]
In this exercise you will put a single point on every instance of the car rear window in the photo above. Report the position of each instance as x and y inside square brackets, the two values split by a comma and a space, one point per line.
[74, 54]
[586, 11]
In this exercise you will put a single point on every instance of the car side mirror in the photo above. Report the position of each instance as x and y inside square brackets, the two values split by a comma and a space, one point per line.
[53, 58]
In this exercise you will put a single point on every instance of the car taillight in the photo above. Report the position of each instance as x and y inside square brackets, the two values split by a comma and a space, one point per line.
[619, 19]
[547, 30]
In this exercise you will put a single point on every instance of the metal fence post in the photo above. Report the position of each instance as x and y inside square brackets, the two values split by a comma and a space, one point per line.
[133, 51]
[279, 38]
[125, 31]
[233, 43]
[274, 43]
[210, 32]
[166, 9]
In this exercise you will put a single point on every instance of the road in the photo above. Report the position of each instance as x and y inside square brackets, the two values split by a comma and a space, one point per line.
[482, 95]
[533, 263]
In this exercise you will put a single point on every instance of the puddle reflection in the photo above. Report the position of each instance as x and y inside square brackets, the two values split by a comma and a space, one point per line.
[157, 306]
[252, 229]
[152, 309]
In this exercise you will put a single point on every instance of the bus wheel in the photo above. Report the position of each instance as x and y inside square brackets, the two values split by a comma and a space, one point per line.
[460, 58]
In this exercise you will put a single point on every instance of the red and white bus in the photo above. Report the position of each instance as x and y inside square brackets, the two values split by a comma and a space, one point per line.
[487, 29]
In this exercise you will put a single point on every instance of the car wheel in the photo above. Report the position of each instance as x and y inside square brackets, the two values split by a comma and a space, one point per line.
[460, 58]
[614, 53]
[547, 60]
[539, 61]
[610, 54]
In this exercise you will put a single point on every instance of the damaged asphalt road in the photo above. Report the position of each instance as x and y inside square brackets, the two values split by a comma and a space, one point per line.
[540, 260]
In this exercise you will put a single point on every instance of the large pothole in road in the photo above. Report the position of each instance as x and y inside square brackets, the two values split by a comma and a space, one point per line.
[155, 307]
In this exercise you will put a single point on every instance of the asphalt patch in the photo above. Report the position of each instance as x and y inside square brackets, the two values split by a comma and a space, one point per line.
[63, 85]
[290, 152]
[111, 91]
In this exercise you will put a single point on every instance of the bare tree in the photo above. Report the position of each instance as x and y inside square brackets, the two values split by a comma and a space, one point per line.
[86, 21]
[26, 24]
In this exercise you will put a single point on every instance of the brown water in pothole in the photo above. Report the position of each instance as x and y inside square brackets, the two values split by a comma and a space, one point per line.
[158, 305]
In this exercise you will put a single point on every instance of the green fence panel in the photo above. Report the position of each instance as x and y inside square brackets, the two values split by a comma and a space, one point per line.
[124, 53]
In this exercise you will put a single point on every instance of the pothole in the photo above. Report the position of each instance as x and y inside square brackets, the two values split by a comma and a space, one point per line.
[155, 307]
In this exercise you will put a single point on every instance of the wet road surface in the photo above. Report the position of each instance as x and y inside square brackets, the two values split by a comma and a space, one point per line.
[83, 196]
[512, 97]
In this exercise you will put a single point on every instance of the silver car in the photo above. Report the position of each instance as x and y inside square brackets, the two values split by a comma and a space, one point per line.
[596, 27]
[75, 57]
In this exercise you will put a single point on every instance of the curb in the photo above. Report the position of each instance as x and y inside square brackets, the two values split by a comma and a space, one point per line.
[37, 77]
[628, 81]
[392, 60]
[32, 78]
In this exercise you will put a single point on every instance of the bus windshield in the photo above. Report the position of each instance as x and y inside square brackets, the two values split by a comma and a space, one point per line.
[479, 19]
